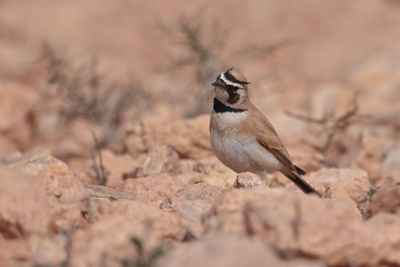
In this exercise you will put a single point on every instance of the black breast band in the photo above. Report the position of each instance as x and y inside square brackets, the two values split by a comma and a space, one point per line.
[220, 107]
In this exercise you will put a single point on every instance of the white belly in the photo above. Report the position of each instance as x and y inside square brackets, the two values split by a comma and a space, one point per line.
[239, 153]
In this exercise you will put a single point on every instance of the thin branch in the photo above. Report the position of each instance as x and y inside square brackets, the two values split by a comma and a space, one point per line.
[305, 117]
[84, 93]
[330, 126]
[97, 159]
[69, 235]
[296, 221]
[259, 51]
[99, 191]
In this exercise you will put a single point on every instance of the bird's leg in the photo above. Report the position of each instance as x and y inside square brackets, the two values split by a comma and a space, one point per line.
[264, 177]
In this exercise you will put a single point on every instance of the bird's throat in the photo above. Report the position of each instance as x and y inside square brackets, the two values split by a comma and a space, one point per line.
[220, 107]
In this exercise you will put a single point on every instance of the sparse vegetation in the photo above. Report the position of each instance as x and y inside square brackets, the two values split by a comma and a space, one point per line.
[330, 126]
[81, 91]
[69, 235]
[97, 162]
[204, 41]
[143, 258]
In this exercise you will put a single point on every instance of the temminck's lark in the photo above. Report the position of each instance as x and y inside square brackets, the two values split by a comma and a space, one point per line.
[242, 138]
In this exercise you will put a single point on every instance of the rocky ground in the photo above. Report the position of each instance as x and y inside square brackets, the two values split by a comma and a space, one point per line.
[105, 158]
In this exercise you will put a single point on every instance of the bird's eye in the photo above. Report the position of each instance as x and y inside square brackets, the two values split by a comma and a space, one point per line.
[232, 89]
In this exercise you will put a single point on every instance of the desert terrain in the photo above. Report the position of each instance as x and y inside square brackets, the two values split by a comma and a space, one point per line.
[105, 155]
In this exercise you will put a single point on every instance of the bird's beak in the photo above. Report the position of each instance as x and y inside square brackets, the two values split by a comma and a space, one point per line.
[218, 83]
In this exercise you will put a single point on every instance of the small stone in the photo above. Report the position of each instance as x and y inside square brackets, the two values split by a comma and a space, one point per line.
[248, 180]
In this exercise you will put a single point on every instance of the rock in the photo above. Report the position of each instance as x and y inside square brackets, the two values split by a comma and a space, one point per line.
[391, 163]
[160, 158]
[153, 188]
[213, 172]
[114, 223]
[106, 242]
[191, 203]
[24, 206]
[191, 214]
[39, 197]
[51, 184]
[141, 216]
[8, 150]
[387, 228]
[226, 215]
[387, 197]
[337, 183]
[295, 227]
[115, 167]
[298, 224]
[248, 180]
[190, 138]
[277, 179]
[369, 158]
[202, 193]
[221, 250]
[294, 223]
[304, 263]
[17, 105]
[48, 250]
[60, 182]
[15, 252]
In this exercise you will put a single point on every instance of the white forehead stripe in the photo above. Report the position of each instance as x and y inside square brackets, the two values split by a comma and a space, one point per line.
[222, 77]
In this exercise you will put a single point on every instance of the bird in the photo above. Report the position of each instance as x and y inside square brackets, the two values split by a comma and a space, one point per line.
[243, 139]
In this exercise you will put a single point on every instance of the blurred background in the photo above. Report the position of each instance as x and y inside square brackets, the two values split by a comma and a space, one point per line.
[114, 63]
[97, 84]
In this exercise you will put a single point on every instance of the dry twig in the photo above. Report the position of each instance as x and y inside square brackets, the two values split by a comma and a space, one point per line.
[69, 235]
[331, 125]
[296, 221]
[98, 191]
[97, 160]
[84, 93]
[260, 51]
[203, 39]
[144, 258]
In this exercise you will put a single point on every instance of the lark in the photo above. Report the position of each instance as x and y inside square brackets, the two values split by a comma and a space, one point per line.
[242, 137]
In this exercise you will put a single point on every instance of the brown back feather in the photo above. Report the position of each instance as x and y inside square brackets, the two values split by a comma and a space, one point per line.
[266, 135]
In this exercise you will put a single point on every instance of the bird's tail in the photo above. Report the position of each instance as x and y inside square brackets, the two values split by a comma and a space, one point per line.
[294, 176]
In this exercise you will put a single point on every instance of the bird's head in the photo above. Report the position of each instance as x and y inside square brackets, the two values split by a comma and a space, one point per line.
[230, 87]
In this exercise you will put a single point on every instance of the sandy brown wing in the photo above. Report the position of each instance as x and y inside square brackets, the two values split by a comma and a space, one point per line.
[268, 138]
